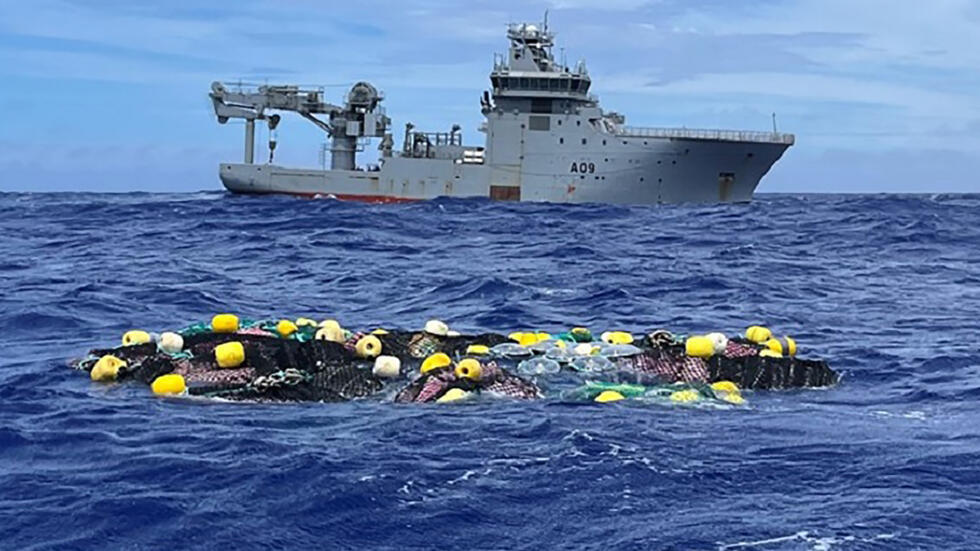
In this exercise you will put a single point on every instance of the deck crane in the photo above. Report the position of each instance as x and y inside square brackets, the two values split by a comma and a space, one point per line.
[361, 116]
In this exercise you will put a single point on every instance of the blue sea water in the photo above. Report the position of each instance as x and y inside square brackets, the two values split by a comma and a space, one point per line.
[887, 288]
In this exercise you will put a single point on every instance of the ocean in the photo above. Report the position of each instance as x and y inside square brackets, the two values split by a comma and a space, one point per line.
[885, 287]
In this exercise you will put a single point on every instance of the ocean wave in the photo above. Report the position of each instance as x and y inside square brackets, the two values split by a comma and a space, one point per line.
[882, 286]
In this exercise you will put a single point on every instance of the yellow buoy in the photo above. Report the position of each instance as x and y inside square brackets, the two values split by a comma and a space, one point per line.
[168, 385]
[305, 322]
[685, 396]
[453, 395]
[330, 324]
[135, 337]
[784, 346]
[435, 361]
[106, 369]
[230, 354]
[617, 337]
[728, 391]
[725, 386]
[767, 353]
[758, 334]
[609, 396]
[477, 350]
[224, 323]
[286, 328]
[699, 347]
[379, 331]
[733, 398]
[368, 346]
[528, 339]
[469, 369]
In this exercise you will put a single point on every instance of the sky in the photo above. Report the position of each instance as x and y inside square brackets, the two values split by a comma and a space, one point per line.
[111, 95]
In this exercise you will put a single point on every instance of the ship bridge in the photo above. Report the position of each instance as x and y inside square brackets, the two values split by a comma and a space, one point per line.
[529, 70]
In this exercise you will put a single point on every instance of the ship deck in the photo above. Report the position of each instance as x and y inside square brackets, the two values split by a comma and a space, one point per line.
[706, 134]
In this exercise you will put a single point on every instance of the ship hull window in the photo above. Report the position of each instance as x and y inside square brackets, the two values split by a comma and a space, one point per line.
[538, 122]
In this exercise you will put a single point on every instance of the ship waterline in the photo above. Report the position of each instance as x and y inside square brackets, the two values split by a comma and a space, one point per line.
[547, 139]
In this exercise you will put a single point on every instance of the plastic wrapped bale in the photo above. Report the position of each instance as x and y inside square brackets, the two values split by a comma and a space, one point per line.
[154, 366]
[674, 392]
[457, 346]
[420, 345]
[411, 344]
[313, 355]
[670, 365]
[431, 386]
[321, 371]
[133, 355]
[337, 382]
[740, 348]
[764, 373]
[203, 344]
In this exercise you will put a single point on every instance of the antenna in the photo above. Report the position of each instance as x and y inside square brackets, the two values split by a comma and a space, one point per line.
[774, 131]
[545, 20]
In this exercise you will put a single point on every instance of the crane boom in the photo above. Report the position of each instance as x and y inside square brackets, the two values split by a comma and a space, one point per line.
[360, 117]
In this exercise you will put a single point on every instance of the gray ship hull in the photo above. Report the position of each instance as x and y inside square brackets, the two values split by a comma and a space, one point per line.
[546, 139]
[662, 171]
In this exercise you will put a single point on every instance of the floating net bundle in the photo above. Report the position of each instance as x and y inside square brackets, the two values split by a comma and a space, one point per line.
[303, 360]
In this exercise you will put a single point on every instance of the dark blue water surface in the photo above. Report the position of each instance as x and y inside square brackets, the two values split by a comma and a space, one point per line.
[887, 288]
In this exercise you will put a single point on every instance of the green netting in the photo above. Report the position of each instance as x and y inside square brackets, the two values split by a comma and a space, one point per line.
[195, 329]
[591, 389]
[244, 323]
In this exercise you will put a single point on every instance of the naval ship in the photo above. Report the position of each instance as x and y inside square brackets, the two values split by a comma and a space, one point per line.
[547, 139]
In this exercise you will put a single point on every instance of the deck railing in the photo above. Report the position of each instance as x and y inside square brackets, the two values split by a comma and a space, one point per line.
[701, 134]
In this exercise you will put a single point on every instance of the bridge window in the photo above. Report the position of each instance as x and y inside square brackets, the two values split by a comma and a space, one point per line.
[525, 83]
[541, 106]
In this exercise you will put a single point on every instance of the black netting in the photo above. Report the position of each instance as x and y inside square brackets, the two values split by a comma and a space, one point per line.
[151, 368]
[277, 369]
[763, 373]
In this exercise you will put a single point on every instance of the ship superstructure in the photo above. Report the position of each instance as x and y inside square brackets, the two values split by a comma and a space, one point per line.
[547, 139]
